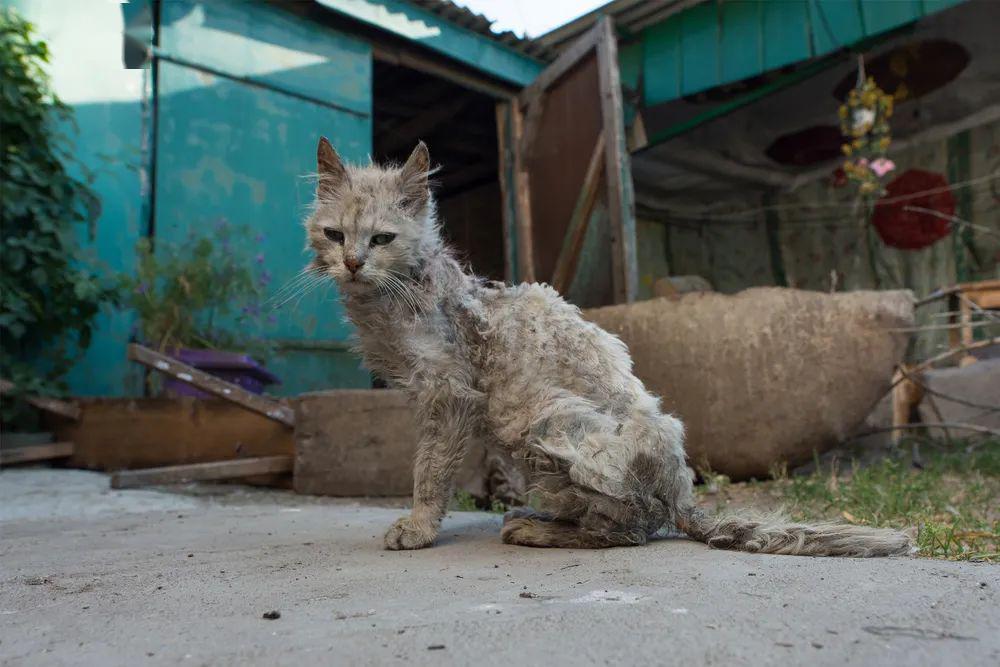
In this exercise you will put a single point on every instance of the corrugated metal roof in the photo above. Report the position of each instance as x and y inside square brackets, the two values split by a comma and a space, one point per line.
[470, 20]
[629, 16]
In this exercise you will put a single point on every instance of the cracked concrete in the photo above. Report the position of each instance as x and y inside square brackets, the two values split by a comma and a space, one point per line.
[89, 576]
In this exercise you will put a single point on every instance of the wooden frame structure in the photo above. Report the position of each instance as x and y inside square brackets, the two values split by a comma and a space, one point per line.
[519, 124]
[966, 299]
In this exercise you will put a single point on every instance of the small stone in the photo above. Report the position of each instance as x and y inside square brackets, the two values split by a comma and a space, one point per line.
[817, 645]
[272, 615]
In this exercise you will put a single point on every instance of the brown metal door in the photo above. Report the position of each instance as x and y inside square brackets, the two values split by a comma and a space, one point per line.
[568, 184]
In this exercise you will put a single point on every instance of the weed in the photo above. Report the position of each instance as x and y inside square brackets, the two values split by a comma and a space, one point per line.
[953, 502]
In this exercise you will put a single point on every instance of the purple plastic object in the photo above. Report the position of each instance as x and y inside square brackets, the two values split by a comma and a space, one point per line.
[240, 369]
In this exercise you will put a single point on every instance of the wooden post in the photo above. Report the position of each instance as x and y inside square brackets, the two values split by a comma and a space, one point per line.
[621, 198]
[213, 385]
[522, 195]
[965, 322]
[508, 207]
[576, 231]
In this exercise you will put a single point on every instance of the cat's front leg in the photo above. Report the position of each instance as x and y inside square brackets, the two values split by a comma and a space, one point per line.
[445, 431]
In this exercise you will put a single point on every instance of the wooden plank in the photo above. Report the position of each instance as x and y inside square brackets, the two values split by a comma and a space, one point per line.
[55, 406]
[621, 198]
[264, 465]
[569, 255]
[532, 119]
[505, 169]
[355, 442]
[211, 384]
[123, 433]
[564, 63]
[397, 56]
[28, 453]
[522, 203]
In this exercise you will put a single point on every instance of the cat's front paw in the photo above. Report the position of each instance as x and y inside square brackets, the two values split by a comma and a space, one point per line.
[408, 533]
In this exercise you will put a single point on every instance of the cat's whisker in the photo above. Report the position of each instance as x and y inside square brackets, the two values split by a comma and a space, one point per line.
[293, 283]
[301, 290]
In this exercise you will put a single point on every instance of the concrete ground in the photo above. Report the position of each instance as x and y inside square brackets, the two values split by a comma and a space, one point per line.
[99, 577]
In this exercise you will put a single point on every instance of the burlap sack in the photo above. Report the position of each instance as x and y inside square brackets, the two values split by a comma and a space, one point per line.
[766, 376]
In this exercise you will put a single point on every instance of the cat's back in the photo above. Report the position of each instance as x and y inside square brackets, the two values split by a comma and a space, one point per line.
[535, 332]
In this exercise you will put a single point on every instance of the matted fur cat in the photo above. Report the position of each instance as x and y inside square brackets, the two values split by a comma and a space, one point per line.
[519, 369]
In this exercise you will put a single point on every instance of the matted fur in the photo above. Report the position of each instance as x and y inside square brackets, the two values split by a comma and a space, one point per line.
[517, 368]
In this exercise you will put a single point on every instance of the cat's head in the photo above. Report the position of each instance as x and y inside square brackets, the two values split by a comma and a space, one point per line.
[371, 225]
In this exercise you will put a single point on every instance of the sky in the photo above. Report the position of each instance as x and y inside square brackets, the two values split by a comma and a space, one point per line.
[530, 17]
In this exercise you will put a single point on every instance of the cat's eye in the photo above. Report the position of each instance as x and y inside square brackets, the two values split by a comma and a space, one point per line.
[382, 239]
[334, 235]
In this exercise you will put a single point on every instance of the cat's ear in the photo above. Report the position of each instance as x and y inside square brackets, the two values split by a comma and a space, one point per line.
[332, 173]
[413, 178]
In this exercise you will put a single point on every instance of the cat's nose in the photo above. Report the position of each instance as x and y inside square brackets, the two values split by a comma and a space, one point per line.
[353, 264]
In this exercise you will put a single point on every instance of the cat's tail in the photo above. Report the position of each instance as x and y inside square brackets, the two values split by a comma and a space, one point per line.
[774, 534]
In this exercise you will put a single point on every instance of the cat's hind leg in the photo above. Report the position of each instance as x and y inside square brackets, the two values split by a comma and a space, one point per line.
[531, 529]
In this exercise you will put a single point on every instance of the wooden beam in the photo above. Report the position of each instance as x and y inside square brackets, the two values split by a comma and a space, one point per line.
[55, 406]
[480, 84]
[212, 384]
[505, 168]
[576, 231]
[564, 63]
[28, 453]
[621, 198]
[532, 119]
[522, 203]
[199, 472]
[408, 133]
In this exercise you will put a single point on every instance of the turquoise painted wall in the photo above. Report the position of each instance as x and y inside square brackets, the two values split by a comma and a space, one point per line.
[87, 73]
[244, 92]
[723, 41]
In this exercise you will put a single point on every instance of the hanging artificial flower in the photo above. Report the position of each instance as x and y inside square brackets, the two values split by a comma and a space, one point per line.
[864, 122]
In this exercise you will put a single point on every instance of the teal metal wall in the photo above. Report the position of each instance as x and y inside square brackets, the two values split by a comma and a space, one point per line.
[86, 71]
[244, 91]
[723, 41]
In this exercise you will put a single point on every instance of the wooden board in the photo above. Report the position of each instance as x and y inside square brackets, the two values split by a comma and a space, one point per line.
[569, 256]
[621, 198]
[29, 453]
[126, 433]
[200, 472]
[354, 443]
[212, 384]
[55, 406]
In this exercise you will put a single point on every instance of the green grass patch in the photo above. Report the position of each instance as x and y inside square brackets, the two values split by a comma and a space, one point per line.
[463, 501]
[953, 501]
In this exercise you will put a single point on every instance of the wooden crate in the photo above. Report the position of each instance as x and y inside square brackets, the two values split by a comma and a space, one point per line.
[129, 433]
[354, 443]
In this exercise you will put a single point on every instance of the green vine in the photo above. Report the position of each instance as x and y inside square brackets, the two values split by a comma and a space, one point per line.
[48, 295]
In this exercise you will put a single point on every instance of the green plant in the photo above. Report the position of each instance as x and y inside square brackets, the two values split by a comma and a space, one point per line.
[953, 501]
[202, 292]
[48, 295]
